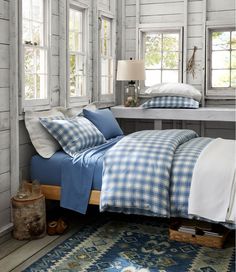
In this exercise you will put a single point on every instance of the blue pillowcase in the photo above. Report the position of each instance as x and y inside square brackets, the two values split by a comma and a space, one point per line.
[171, 102]
[74, 135]
[105, 122]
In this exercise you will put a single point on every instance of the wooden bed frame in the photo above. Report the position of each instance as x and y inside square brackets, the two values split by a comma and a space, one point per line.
[53, 192]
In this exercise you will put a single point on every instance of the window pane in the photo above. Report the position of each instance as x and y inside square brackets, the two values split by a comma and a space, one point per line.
[170, 60]
[29, 60]
[153, 51]
[220, 78]
[80, 65]
[72, 64]
[26, 31]
[78, 42]
[37, 33]
[41, 59]
[233, 59]
[220, 40]
[105, 85]
[29, 86]
[37, 10]
[152, 77]
[78, 21]
[71, 19]
[233, 40]
[104, 67]
[233, 78]
[171, 42]
[79, 85]
[72, 85]
[41, 87]
[72, 41]
[153, 42]
[170, 76]
[220, 59]
[26, 9]
[105, 38]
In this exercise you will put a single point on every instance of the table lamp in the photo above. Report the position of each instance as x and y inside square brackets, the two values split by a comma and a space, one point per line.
[131, 70]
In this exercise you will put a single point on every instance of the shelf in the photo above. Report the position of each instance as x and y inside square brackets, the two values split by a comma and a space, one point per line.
[201, 114]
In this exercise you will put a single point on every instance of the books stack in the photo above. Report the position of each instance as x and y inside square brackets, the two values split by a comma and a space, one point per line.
[198, 231]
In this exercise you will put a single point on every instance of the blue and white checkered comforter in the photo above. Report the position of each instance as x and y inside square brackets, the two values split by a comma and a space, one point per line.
[138, 172]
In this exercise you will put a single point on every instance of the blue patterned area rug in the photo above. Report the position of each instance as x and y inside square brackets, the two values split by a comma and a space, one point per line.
[114, 246]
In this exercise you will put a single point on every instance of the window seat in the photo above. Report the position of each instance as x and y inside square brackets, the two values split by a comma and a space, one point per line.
[201, 114]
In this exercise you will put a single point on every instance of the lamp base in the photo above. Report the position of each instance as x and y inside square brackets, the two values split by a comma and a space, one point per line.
[131, 96]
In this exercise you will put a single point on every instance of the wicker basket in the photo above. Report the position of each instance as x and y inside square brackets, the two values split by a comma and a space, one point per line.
[204, 240]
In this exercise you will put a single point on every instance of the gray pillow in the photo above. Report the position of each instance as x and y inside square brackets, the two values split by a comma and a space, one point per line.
[41, 139]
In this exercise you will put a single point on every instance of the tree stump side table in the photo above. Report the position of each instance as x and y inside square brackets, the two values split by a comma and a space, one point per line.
[29, 217]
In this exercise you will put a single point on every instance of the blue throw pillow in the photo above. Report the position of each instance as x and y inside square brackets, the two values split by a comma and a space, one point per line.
[105, 122]
[171, 102]
[74, 135]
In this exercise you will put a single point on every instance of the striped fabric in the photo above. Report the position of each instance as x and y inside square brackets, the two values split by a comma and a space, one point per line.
[171, 102]
[74, 135]
[136, 174]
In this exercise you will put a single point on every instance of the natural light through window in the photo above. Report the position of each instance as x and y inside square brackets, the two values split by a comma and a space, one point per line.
[162, 57]
[106, 56]
[35, 50]
[223, 59]
[77, 55]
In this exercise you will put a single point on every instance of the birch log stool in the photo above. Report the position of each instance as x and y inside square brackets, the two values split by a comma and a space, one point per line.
[29, 217]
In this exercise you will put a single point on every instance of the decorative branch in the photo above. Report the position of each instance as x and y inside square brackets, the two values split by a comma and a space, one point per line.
[191, 63]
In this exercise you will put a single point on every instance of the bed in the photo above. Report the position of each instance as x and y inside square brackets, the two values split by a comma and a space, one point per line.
[174, 154]
[148, 172]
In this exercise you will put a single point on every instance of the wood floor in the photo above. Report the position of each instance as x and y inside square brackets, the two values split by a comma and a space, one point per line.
[17, 255]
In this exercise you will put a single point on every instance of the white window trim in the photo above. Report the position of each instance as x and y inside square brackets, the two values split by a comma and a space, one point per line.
[79, 100]
[144, 29]
[110, 16]
[35, 104]
[229, 93]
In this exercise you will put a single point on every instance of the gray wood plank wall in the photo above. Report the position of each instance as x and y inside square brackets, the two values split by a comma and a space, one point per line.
[4, 116]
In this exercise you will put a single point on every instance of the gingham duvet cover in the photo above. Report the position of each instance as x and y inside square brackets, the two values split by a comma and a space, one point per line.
[149, 172]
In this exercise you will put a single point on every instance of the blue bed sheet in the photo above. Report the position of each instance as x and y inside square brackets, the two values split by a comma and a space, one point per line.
[49, 171]
[77, 176]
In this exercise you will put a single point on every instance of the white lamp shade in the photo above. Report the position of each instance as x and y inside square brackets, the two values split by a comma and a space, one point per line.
[130, 70]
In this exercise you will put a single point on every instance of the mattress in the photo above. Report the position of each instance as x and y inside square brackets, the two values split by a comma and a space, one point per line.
[48, 171]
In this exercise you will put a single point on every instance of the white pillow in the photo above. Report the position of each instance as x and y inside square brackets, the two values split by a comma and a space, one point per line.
[175, 89]
[41, 139]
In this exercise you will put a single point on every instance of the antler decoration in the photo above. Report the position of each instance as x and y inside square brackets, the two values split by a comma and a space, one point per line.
[191, 63]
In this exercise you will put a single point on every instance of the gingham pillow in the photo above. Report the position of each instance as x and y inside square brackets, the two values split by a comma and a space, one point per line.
[171, 102]
[74, 135]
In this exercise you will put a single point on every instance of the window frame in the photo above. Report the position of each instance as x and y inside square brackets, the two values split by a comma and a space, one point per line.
[212, 92]
[84, 8]
[35, 104]
[141, 48]
[110, 16]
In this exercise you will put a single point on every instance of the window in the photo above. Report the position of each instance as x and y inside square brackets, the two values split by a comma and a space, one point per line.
[162, 55]
[77, 53]
[106, 49]
[34, 52]
[222, 60]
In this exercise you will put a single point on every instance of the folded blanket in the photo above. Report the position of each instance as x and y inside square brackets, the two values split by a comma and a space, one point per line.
[212, 193]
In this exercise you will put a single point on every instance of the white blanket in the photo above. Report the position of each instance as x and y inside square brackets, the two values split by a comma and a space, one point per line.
[213, 187]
